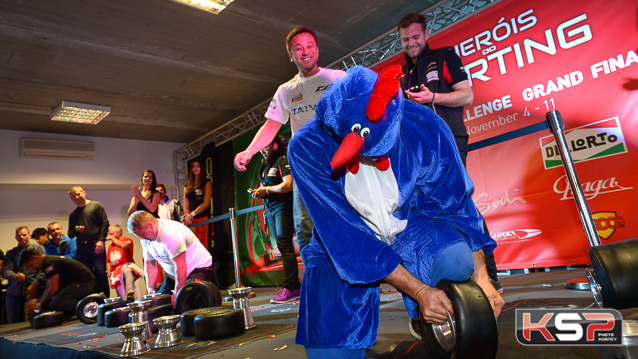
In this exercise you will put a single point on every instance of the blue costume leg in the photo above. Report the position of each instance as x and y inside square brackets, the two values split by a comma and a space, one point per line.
[335, 353]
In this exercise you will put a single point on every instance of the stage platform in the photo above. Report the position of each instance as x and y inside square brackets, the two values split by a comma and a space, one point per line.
[274, 335]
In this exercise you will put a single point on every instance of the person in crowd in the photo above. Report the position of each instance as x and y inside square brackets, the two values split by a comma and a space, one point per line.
[390, 202]
[275, 191]
[23, 282]
[294, 100]
[175, 247]
[146, 197]
[436, 78]
[197, 194]
[89, 224]
[168, 209]
[120, 264]
[66, 246]
[41, 236]
[67, 281]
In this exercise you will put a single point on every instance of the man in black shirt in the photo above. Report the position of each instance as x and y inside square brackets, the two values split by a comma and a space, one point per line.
[90, 225]
[68, 281]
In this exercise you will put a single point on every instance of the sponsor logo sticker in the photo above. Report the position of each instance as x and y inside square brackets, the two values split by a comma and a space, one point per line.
[571, 327]
[607, 223]
[296, 98]
[589, 142]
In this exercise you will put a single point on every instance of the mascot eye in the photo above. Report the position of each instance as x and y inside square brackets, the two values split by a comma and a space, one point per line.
[365, 132]
[356, 127]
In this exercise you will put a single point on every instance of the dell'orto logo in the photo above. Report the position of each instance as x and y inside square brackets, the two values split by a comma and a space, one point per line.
[568, 326]
[592, 141]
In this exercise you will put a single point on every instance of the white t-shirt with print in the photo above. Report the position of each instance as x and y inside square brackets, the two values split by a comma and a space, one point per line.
[174, 238]
[296, 98]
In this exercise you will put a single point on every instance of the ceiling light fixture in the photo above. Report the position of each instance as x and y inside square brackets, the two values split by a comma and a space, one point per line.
[80, 112]
[213, 6]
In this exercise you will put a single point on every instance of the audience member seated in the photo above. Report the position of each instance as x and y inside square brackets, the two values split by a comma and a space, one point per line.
[120, 265]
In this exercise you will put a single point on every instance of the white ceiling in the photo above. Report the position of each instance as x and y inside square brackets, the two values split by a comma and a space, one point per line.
[169, 72]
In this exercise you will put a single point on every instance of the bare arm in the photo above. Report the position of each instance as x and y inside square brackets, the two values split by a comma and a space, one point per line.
[53, 285]
[461, 95]
[283, 187]
[151, 205]
[431, 300]
[150, 271]
[262, 138]
[481, 278]
[132, 206]
[180, 271]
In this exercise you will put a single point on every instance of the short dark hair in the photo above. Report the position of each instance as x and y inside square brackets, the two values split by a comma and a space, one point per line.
[299, 29]
[410, 19]
[27, 255]
[160, 185]
[39, 232]
[282, 143]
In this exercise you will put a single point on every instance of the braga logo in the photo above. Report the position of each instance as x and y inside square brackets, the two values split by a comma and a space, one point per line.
[568, 327]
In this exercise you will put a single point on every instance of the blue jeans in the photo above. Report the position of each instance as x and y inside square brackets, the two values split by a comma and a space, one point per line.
[303, 224]
[96, 263]
[279, 222]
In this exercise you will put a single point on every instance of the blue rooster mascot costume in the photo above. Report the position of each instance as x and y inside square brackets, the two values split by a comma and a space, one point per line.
[384, 186]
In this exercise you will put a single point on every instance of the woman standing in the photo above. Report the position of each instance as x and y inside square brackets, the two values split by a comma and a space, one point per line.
[197, 195]
[276, 192]
[146, 197]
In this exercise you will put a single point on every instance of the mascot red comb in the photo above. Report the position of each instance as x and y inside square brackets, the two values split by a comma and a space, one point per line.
[386, 190]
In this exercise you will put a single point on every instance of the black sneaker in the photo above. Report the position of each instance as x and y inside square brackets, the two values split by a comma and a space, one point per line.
[415, 329]
[497, 285]
[130, 297]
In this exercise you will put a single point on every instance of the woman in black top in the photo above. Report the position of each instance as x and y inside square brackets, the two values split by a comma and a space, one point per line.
[146, 197]
[197, 195]
[276, 192]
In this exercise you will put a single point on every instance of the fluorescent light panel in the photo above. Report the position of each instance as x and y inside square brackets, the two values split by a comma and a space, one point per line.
[80, 112]
[212, 6]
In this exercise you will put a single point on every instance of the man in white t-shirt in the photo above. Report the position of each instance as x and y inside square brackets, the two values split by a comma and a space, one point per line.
[174, 246]
[294, 100]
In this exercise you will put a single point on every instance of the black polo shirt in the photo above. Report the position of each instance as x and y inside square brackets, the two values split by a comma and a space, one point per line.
[70, 270]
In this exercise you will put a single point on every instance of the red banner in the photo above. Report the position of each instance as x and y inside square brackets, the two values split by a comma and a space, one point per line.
[525, 59]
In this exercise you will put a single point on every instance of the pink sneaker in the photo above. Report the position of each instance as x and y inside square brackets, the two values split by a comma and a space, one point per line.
[285, 295]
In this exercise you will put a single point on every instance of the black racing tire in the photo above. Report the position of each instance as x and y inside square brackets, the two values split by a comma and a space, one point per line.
[196, 295]
[87, 308]
[105, 307]
[224, 323]
[156, 299]
[613, 278]
[187, 319]
[156, 312]
[116, 317]
[475, 328]
[47, 320]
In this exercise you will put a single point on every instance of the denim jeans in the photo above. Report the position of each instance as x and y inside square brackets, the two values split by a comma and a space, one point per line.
[303, 224]
[280, 224]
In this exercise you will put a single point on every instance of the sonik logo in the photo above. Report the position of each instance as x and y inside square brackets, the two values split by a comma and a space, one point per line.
[607, 223]
[568, 327]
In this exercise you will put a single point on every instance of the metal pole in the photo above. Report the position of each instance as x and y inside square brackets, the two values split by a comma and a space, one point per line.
[557, 127]
[233, 231]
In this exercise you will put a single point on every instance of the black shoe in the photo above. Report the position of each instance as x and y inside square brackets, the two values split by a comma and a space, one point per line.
[497, 285]
[130, 297]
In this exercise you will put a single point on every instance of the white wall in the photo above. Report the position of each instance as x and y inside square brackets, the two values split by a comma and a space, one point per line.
[34, 191]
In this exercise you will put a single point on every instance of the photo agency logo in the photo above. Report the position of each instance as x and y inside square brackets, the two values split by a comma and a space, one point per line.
[568, 327]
